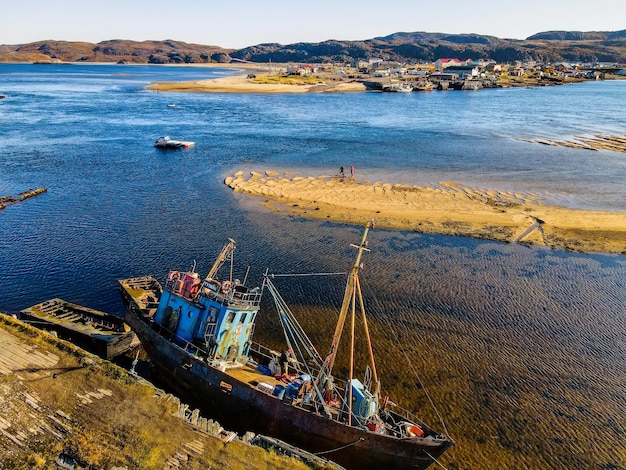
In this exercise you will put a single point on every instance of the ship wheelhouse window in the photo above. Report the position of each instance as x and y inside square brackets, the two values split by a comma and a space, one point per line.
[231, 317]
[242, 319]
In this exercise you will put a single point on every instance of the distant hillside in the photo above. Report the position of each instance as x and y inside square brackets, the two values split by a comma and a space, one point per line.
[133, 52]
[578, 36]
[428, 47]
[550, 46]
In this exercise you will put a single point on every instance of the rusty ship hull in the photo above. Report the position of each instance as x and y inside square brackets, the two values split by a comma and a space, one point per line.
[241, 399]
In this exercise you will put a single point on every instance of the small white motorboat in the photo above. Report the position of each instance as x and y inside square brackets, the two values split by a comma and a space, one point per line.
[167, 143]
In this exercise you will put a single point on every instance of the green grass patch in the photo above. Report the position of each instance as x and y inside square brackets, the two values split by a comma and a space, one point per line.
[280, 79]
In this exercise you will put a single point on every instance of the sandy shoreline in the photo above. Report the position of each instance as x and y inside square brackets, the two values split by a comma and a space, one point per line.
[242, 84]
[447, 208]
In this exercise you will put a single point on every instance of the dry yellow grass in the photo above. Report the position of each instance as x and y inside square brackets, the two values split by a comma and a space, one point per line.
[270, 83]
[98, 414]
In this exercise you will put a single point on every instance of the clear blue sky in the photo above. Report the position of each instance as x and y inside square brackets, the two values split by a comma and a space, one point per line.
[240, 23]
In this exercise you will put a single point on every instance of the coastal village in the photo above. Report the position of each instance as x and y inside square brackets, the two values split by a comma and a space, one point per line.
[456, 74]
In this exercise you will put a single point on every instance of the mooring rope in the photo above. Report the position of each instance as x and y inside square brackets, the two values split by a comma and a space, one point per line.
[418, 378]
[340, 448]
[435, 460]
[410, 364]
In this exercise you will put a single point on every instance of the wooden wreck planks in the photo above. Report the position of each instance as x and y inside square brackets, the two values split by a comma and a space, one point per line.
[22, 196]
[612, 143]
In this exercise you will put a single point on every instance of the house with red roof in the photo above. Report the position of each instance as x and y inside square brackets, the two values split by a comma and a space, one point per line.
[441, 64]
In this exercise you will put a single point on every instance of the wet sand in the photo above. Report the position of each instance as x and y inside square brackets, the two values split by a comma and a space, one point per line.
[446, 208]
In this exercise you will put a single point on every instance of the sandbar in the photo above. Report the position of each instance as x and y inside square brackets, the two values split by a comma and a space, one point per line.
[448, 208]
[243, 84]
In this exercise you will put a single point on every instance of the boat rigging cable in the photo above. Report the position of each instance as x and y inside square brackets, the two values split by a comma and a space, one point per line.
[395, 338]
[297, 341]
[292, 329]
[348, 310]
[307, 274]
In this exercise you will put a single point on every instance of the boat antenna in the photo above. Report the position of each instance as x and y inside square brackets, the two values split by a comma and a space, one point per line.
[232, 261]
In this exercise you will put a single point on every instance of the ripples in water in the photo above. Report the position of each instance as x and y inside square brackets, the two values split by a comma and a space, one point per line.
[522, 349]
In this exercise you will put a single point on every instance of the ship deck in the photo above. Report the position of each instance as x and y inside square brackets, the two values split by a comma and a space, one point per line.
[144, 292]
[251, 375]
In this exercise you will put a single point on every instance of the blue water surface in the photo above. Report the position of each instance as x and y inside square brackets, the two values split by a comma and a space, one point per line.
[116, 204]
[117, 207]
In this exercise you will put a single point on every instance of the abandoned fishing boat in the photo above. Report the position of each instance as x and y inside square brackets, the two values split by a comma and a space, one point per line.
[198, 335]
[167, 143]
[100, 333]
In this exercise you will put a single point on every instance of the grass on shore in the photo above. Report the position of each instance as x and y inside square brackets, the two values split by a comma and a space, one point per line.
[102, 418]
[281, 79]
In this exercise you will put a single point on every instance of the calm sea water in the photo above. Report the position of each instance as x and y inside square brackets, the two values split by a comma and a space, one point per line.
[117, 207]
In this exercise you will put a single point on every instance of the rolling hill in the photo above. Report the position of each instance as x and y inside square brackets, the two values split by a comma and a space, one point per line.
[550, 46]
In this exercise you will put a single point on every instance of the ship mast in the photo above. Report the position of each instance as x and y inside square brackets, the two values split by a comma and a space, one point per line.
[226, 254]
[348, 306]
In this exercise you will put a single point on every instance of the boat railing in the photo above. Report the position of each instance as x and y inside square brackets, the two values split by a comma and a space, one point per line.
[238, 296]
[235, 298]
[405, 415]
[182, 343]
[261, 350]
[248, 299]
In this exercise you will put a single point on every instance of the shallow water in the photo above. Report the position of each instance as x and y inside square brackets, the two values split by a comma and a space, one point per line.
[520, 347]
